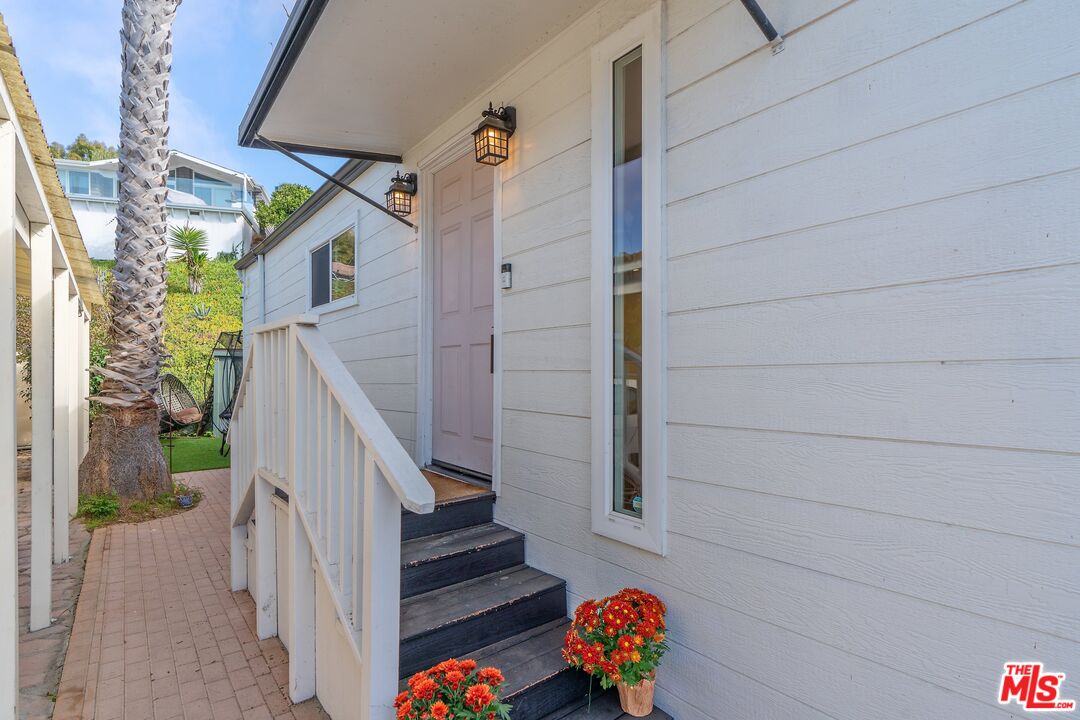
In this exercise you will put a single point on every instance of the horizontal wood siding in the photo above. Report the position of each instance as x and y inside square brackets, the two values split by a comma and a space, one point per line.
[873, 346]
[377, 337]
[874, 360]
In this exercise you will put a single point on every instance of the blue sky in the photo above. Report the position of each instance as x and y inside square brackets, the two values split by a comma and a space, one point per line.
[70, 52]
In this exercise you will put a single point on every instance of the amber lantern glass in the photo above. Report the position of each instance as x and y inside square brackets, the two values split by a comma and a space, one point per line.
[399, 196]
[492, 137]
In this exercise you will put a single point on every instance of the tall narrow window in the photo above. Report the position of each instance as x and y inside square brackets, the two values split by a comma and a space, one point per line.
[629, 465]
[626, 283]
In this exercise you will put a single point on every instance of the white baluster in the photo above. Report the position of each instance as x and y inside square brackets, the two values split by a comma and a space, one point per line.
[382, 595]
[316, 484]
[345, 502]
[333, 500]
[301, 568]
[359, 463]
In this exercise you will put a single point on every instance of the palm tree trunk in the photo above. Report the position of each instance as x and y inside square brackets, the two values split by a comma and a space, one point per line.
[125, 455]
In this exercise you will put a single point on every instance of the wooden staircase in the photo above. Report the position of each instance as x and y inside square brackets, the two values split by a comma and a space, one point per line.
[467, 592]
[303, 429]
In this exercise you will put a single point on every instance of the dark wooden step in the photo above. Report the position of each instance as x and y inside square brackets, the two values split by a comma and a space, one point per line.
[538, 680]
[437, 561]
[603, 706]
[455, 620]
[449, 515]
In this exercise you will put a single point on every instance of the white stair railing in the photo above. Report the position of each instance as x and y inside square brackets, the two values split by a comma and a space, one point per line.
[302, 426]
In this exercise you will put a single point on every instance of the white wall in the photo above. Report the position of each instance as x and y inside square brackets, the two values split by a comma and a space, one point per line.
[376, 337]
[97, 224]
[337, 676]
[873, 351]
[873, 347]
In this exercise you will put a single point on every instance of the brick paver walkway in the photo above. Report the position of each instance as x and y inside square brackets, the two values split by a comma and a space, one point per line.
[158, 634]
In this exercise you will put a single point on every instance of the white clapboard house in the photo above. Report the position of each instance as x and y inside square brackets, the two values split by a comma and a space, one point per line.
[768, 309]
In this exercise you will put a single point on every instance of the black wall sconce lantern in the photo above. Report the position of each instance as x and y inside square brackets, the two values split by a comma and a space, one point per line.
[492, 136]
[399, 196]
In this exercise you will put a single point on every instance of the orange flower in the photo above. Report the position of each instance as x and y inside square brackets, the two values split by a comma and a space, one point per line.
[490, 675]
[425, 689]
[404, 709]
[454, 678]
[635, 656]
[417, 678]
[402, 697]
[467, 666]
[439, 710]
[446, 666]
[478, 697]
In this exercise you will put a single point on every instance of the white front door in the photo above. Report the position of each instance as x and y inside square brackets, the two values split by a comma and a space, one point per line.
[464, 291]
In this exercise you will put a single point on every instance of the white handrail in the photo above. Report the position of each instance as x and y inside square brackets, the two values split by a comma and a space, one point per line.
[302, 424]
[241, 391]
[413, 490]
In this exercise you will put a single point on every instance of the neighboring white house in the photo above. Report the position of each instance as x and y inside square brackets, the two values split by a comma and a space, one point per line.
[207, 196]
[788, 335]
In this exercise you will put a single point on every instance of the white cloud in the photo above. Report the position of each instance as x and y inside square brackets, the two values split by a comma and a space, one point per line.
[194, 132]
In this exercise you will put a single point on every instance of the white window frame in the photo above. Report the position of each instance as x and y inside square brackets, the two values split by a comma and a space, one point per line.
[650, 531]
[340, 303]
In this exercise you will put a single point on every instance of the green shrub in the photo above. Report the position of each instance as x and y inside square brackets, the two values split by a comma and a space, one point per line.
[99, 507]
[285, 199]
[192, 322]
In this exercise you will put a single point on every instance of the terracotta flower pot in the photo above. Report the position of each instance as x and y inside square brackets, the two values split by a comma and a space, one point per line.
[637, 700]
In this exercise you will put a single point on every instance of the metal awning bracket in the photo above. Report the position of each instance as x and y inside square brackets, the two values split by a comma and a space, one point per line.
[776, 40]
[330, 178]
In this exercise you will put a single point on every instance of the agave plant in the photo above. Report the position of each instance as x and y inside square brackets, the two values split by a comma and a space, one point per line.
[189, 244]
[200, 311]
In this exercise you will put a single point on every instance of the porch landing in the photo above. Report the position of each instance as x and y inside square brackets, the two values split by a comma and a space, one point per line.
[158, 634]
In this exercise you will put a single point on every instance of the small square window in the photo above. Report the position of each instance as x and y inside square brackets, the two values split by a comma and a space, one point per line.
[333, 270]
[78, 182]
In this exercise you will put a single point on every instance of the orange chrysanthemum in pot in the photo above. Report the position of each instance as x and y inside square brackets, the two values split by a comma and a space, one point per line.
[453, 690]
[620, 641]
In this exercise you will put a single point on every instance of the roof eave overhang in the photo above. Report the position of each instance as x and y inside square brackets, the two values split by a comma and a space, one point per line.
[339, 83]
[294, 36]
[348, 153]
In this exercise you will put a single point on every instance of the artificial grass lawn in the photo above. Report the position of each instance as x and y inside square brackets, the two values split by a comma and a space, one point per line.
[194, 453]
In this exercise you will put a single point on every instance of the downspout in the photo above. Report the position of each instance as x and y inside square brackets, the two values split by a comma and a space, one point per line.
[262, 289]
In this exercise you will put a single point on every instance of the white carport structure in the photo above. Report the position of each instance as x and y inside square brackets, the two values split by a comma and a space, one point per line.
[42, 258]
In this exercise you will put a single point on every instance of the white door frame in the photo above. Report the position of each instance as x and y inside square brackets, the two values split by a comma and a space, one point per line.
[447, 154]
